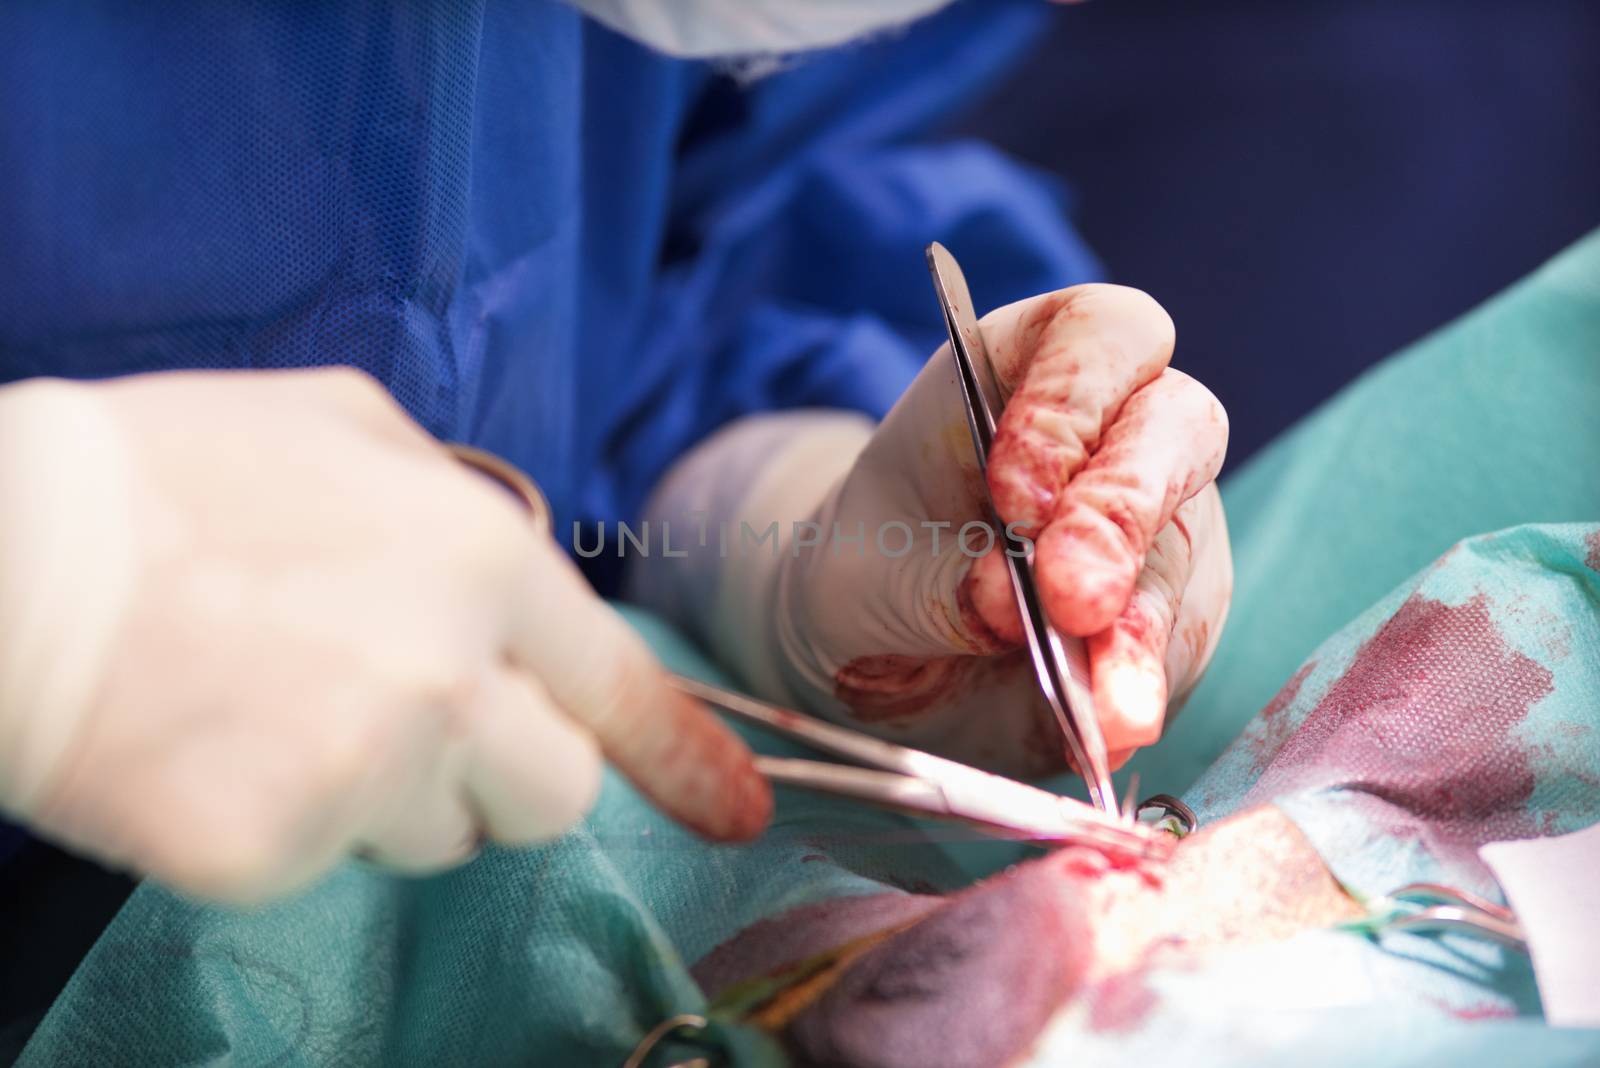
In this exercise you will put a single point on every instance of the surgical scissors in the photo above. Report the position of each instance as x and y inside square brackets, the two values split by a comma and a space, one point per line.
[1060, 662]
[922, 784]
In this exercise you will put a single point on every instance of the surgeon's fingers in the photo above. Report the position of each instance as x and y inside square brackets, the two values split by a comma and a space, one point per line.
[1166, 445]
[600, 673]
[987, 597]
[1128, 660]
[421, 821]
[1204, 608]
[532, 773]
[515, 770]
[1080, 353]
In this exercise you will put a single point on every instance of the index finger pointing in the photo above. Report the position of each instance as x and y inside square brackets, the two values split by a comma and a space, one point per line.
[599, 672]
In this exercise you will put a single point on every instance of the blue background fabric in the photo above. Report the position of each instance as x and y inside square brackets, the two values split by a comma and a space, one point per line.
[542, 238]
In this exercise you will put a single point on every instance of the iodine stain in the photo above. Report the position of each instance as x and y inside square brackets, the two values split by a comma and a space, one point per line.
[1425, 719]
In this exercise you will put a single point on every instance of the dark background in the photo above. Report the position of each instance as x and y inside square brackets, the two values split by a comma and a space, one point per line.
[1308, 186]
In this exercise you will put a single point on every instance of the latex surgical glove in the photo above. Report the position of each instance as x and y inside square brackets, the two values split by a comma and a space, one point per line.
[251, 622]
[872, 611]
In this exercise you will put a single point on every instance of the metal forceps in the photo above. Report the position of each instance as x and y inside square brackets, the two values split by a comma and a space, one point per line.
[922, 784]
[1060, 662]
[1445, 908]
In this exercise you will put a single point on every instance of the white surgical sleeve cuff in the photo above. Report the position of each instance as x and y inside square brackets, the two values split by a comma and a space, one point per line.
[746, 487]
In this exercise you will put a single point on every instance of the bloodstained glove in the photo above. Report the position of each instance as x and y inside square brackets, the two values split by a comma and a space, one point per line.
[880, 597]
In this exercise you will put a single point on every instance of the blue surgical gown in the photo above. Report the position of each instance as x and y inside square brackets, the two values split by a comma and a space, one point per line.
[541, 237]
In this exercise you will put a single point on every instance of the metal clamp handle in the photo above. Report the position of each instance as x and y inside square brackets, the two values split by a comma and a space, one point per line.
[686, 1022]
[509, 477]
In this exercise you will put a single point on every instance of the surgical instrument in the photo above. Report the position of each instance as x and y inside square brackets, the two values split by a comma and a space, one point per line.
[1428, 908]
[1060, 662]
[909, 780]
[1448, 909]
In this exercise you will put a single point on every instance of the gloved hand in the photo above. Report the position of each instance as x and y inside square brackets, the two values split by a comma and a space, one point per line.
[873, 612]
[251, 622]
